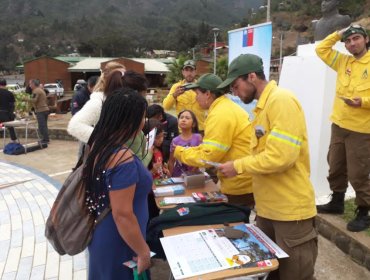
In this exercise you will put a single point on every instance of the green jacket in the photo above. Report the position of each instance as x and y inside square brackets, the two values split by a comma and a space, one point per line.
[137, 146]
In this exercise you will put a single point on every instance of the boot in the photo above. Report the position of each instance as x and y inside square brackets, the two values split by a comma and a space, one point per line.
[335, 205]
[361, 221]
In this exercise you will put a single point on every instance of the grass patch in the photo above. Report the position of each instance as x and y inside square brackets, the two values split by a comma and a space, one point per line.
[349, 212]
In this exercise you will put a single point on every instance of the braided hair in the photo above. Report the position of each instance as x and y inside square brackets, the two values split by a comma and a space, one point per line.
[120, 121]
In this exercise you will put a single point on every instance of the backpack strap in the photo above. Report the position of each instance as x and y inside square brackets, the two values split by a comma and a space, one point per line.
[86, 153]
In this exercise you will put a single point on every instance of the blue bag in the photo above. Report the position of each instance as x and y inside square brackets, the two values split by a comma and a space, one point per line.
[14, 149]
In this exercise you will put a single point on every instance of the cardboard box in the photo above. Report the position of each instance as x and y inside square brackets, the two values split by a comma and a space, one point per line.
[194, 180]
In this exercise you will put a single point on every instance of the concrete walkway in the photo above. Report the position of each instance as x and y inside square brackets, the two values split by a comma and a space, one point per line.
[25, 200]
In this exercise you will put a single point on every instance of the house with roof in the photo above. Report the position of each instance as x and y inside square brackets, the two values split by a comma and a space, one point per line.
[68, 69]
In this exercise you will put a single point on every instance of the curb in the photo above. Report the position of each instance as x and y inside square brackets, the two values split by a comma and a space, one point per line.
[54, 133]
[354, 244]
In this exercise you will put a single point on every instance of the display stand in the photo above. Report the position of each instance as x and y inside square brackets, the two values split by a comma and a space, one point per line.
[313, 82]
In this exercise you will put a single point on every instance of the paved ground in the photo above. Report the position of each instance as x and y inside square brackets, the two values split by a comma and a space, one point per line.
[24, 252]
[25, 199]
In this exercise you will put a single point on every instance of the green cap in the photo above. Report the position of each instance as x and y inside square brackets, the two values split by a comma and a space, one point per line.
[207, 81]
[353, 29]
[242, 65]
[189, 63]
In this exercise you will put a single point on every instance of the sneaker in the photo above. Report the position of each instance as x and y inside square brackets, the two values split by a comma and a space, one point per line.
[361, 221]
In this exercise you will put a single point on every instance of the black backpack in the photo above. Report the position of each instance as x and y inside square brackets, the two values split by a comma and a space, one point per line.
[199, 214]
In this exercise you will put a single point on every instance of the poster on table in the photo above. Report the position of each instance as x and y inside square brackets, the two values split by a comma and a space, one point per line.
[205, 251]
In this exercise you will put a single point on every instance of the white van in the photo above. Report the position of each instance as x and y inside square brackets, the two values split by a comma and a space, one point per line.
[15, 88]
[55, 88]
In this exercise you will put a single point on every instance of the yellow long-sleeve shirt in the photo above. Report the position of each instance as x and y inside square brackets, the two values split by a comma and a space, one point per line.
[187, 100]
[226, 137]
[353, 80]
[279, 160]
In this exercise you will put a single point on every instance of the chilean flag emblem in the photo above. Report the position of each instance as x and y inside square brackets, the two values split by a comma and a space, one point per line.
[248, 37]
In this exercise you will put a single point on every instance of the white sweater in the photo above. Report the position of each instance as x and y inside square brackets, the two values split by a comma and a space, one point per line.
[82, 123]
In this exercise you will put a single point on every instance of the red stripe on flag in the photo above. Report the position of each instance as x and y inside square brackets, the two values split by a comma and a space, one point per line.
[250, 37]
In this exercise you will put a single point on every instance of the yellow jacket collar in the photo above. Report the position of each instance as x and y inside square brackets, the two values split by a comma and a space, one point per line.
[265, 94]
[365, 59]
[215, 102]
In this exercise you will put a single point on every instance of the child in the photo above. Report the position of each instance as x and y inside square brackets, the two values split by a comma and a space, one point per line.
[189, 137]
[157, 166]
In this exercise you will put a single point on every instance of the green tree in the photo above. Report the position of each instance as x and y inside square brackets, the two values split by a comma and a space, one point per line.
[221, 67]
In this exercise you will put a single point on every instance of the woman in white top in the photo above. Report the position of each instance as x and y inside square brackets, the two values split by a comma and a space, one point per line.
[114, 76]
[82, 123]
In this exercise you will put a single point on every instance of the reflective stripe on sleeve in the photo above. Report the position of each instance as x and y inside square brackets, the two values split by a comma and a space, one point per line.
[285, 137]
[215, 144]
[335, 58]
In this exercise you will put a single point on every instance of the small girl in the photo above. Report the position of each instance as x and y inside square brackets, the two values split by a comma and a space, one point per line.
[189, 137]
[157, 166]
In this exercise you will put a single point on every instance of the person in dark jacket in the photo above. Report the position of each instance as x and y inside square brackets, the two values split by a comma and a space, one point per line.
[82, 95]
[7, 105]
[169, 125]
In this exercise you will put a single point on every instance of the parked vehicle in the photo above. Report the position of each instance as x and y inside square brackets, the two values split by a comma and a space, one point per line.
[55, 88]
[15, 88]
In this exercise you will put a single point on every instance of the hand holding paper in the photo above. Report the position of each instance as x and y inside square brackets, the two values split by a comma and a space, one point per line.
[227, 169]
[151, 138]
[212, 163]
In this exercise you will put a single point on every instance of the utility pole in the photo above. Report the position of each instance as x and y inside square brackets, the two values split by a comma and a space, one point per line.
[215, 34]
[281, 51]
[268, 10]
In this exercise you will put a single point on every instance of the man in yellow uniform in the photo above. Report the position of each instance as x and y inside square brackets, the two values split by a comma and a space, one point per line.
[349, 150]
[279, 165]
[226, 137]
[183, 98]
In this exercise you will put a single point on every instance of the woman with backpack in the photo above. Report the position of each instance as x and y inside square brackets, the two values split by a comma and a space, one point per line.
[116, 177]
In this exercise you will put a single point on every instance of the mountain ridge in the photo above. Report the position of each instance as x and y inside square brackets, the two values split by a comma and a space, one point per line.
[32, 28]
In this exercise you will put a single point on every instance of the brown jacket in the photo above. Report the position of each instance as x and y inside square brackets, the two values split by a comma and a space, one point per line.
[39, 100]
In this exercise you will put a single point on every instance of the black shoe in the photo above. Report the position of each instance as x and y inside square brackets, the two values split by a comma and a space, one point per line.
[43, 144]
[335, 205]
[361, 221]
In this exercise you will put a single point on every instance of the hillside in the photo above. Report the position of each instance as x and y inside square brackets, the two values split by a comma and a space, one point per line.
[32, 28]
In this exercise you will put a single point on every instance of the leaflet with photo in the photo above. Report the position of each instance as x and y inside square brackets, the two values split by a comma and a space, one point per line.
[205, 251]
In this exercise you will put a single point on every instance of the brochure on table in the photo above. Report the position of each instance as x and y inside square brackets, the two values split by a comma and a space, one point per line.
[205, 251]
[177, 200]
[174, 180]
[168, 181]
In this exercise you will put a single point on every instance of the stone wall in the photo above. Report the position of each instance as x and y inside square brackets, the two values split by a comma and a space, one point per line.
[57, 134]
